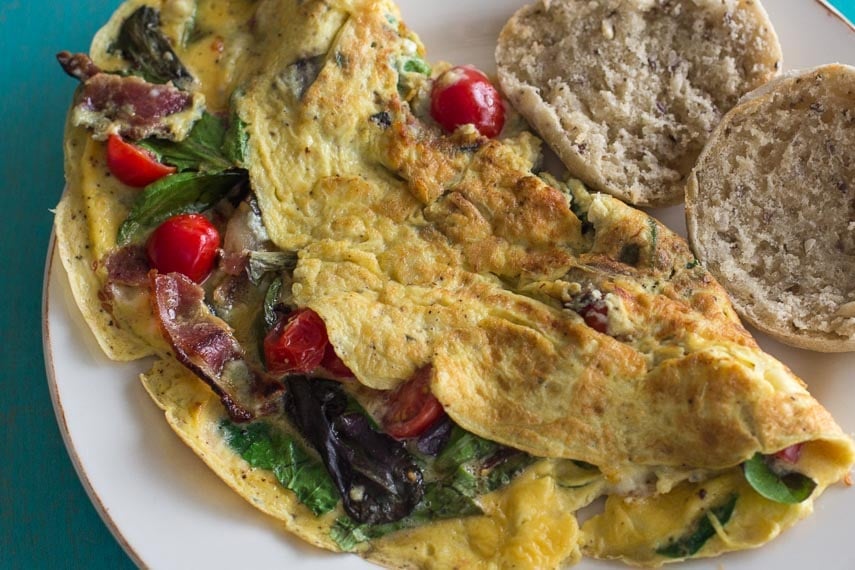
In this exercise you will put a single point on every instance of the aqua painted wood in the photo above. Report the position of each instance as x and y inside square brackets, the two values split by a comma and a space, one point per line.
[46, 518]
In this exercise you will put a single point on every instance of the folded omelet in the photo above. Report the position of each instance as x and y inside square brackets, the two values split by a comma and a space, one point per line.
[562, 329]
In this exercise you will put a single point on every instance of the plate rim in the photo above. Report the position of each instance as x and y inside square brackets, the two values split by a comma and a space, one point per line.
[59, 413]
[56, 399]
[834, 11]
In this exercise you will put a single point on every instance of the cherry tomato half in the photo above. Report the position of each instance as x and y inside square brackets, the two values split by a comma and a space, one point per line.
[334, 365]
[132, 165]
[596, 316]
[790, 454]
[464, 95]
[187, 244]
[412, 407]
[296, 343]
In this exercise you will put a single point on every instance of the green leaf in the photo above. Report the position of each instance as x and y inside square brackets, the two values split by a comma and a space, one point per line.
[235, 143]
[202, 150]
[440, 501]
[505, 472]
[185, 192]
[789, 488]
[463, 474]
[463, 447]
[263, 447]
[407, 66]
[271, 299]
[690, 543]
[415, 65]
[261, 262]
[142, 43]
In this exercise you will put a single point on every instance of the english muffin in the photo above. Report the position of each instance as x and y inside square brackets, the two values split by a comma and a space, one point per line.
[770, 208]
[627, 91]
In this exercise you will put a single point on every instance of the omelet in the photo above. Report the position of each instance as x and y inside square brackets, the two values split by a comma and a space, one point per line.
[577, 350]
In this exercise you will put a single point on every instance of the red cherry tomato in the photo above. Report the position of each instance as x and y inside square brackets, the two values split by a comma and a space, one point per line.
[596, 316]
[790, 454]
[334, 365]
[412, 407]
[187, 244]
[296, 343]
[133, 165]
[464, 95]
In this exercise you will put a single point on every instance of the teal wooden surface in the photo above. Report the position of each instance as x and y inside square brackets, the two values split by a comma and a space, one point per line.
[46, 519]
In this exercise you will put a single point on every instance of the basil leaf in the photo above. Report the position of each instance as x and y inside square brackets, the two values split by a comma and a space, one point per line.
[378, 480]
[789, 488]
[235, 143]
[504, 471]
[690, 543]
[185, 192]
[148, 50]
[263, 447]
[202, 150]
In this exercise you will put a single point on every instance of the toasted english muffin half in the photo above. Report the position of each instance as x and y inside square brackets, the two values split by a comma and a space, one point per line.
[770, 208]
[627, 92]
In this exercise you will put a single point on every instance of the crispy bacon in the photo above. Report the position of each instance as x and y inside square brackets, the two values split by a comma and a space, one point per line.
[205, 344]
[128, 266]
[132, 103]
[129, 105]
[78, 65]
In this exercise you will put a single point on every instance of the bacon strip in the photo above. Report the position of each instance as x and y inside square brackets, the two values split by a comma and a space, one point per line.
[129, 105]
[78, 65]
[128, 265]
[206, 346]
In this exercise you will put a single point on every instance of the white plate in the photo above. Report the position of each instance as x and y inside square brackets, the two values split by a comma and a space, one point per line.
[169, 511]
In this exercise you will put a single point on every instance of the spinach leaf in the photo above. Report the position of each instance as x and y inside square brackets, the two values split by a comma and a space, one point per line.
[789, 488]
[467, 467]
[474, 465]
[143, 44]
[202, 150]
[440, 501]
[462, 448]
[690, 543]
[502, 467]
[263, 447]
[185, 192]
